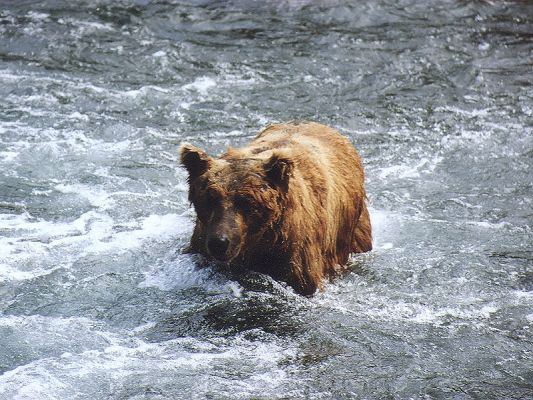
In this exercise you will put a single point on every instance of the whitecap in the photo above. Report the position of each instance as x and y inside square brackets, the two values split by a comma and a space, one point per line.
[96, 197]
[11, 273]
[382, 308]
[201, 85]
[77, 115]
[27, 242]
[159, 228]
[385, 225]
[37, 227]
[143, 91]
[483, 46]
[490, 225]
[403, 171]
[92, 371]
[469, 113]
[186, 271]
[30, 246]
[88, 26]
[37, 16]
[6, 74]
[8, 156]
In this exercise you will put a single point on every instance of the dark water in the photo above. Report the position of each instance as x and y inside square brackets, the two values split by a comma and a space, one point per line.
[96, 299]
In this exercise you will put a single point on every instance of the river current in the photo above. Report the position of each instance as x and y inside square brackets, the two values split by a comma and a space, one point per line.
[97, 300]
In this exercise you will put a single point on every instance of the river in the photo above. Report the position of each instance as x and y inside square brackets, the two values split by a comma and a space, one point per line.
[97, 300]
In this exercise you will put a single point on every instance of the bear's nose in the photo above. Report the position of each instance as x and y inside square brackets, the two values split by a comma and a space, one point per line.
[217, 246]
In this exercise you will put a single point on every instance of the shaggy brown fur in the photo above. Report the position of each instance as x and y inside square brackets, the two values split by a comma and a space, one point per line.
[291, 204]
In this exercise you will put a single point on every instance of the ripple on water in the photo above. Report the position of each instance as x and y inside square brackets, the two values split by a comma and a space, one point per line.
[122, 369]
[31, 245]
[96, 298]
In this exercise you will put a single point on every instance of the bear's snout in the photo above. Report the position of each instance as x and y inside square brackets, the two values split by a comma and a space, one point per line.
[223, 235]
[218, 245]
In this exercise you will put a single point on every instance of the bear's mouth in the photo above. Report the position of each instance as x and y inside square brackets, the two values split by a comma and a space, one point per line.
[222, 254]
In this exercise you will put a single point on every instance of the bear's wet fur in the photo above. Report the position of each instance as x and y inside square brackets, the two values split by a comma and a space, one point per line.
[291, 204]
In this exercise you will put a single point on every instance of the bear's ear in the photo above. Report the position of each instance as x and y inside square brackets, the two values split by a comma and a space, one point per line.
[195, 160]
[278, 170]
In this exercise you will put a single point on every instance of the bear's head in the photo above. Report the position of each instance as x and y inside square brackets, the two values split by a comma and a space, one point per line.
[238, 199]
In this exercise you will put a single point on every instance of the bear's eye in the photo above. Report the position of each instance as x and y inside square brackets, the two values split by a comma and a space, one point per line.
[244, 204]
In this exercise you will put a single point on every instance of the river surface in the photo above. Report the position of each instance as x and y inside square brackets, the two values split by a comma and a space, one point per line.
[97, 300]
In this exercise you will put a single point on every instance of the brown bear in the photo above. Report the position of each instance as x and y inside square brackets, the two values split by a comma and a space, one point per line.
[291, 204]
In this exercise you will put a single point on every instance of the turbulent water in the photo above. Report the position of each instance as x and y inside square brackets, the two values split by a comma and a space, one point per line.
[97, 300]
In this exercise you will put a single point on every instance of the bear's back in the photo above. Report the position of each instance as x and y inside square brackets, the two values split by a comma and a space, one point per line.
[312, 144]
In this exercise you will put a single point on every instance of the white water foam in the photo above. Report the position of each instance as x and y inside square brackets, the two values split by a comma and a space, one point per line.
[8, 156]
[38, 16]
[186, 272]
[382, 308]
[385, 225]
[202, 85]
[158, 228]
[144, 91]
[425, 165]
[96, 197]
[469, 113]
[115, 366]
[83, 27]
[29, 241]
[40, 332]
